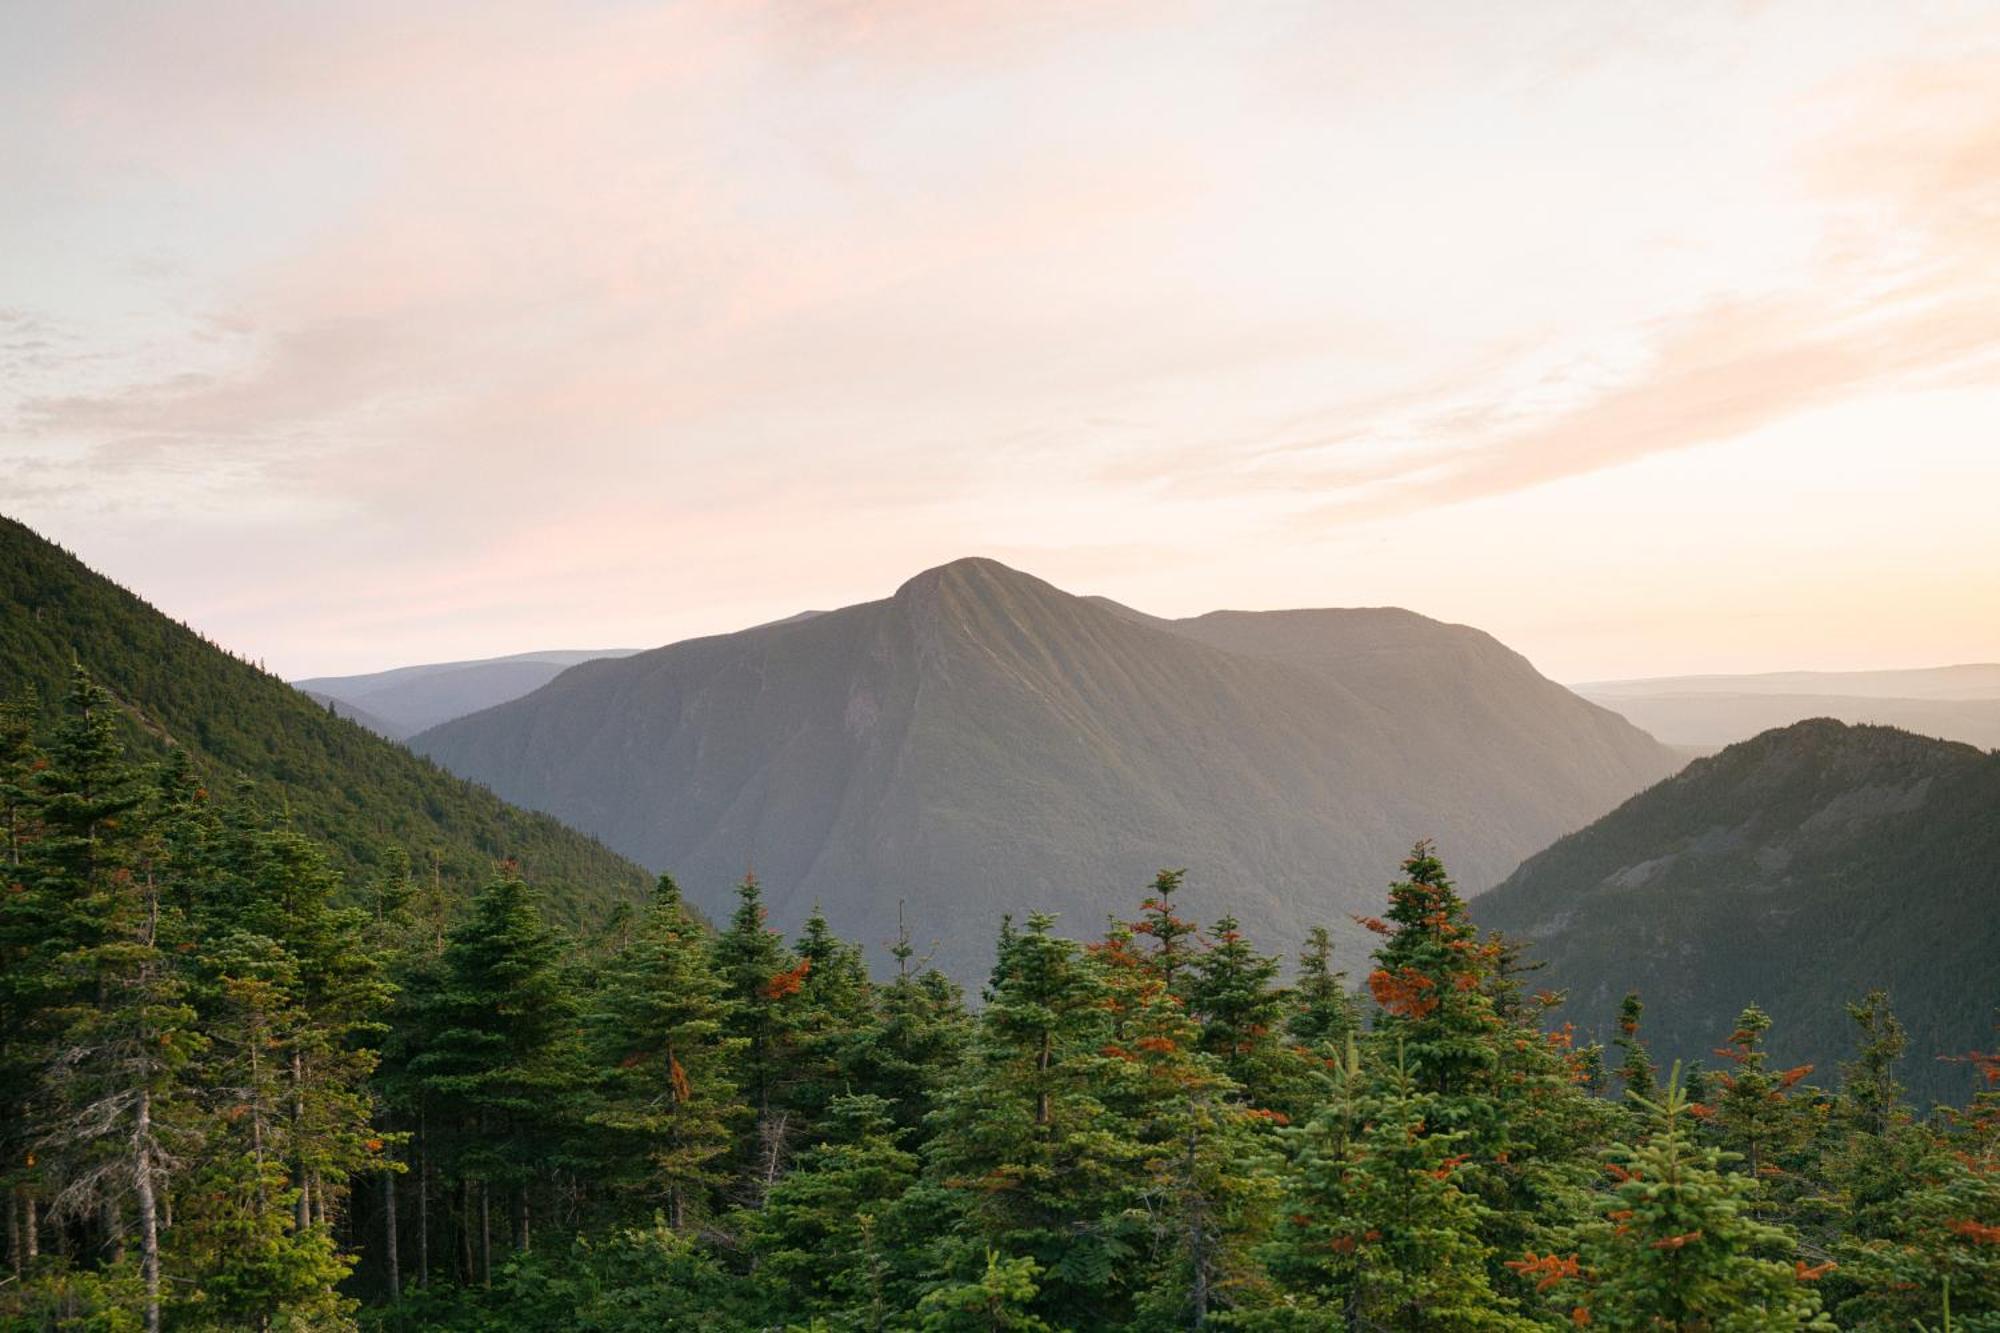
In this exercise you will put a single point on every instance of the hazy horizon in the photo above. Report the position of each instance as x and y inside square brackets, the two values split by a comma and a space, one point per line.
[1653, 342]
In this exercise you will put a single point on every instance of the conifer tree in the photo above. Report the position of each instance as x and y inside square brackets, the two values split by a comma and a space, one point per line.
[829, 1234]
[1233, 993]
[1323, 1012]
[667, 1068]
[1209, 1169]
[1678, 1247]
[912, 1042]
[495, 1059]
[1453, 1014]
[1001, 1297]
[762, 980]
[21, 981]
[1756, 1116]
[120, 1031]
[831, 1018]
[1923, 1220]
[1636, 1071]
[1376, 1231]
[1022, 1143]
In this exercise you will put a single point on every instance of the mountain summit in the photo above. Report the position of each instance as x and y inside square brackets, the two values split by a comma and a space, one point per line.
[983, 742]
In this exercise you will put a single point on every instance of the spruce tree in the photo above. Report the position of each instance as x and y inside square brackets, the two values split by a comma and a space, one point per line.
[1323, 1012]
[829, 1235]
[667, 1087]
[119, 1031]
[1377, 1231]
[762, 981]
[1678, 1247]
[1232, 991]
[1636, 1070]
[1023, 1146]
[496, 1061]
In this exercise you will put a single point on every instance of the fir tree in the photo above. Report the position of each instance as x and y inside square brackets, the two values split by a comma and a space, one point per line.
[1323, 1012]
[762, 981]
[1022, 1141]
[495, 1059]
[1377, 1232]
[1678, 1247]
[667, 1086]
[1636, 1071]
[828, 1233]
[120, 1031]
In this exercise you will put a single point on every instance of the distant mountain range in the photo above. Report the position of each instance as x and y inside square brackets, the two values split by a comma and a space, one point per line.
[1704, 713]
[1796, 870]
[403, 701]
[335, 781]
[982, 742]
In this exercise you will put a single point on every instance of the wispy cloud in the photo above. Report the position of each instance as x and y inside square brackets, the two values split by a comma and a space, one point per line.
[459, 308]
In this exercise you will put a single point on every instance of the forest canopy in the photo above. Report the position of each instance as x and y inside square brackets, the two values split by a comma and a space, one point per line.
[244, 1090]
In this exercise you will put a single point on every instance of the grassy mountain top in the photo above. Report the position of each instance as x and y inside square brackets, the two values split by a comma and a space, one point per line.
[339, 783]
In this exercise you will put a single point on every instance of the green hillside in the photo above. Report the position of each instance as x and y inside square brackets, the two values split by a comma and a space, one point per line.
[340, 783]
[1796, 871]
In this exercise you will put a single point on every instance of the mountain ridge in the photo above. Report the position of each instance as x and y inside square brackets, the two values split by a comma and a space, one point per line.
[981, 741]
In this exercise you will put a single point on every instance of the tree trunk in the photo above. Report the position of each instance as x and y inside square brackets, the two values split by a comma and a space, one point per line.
[391, 1239]
[1197, 1232]
[465, 1237]
[14, 1231]
[303, 1219]
[485, 1235]
[31, 1223]
[423, 1208]
[521, 1219]
[149, 1221]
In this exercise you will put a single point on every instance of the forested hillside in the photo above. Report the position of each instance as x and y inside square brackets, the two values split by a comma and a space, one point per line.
[336, 781]
[1795, 871]
[229, 1102]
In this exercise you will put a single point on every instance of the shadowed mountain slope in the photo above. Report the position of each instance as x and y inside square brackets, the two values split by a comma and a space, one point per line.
[1797, 870]
[403, 701]
[982, 742]
[339, 783]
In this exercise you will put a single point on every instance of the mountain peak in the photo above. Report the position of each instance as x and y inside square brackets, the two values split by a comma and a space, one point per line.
[974, 583]
[967, 569]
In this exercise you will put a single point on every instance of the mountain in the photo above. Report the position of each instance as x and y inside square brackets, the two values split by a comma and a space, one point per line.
[1796, 870]
[982, 742]
[1960, 703]
[405, 700]
[338, 783]
[342, 708]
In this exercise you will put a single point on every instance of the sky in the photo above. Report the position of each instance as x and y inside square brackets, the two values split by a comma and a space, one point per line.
[1652, 339]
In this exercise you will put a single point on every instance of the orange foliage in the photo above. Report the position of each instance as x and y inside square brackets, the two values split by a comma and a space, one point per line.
[1404, 993]
[789, 982]
[1975, 1231]
[1675, 1242]
[1549, 1268]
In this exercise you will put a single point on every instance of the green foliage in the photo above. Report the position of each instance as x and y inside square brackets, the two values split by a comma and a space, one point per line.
[1678, 1246]
[337, 783]
[673, 1128]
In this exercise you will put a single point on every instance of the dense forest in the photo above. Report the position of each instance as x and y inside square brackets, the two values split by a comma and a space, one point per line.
[245, 1090]
[350, 790]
